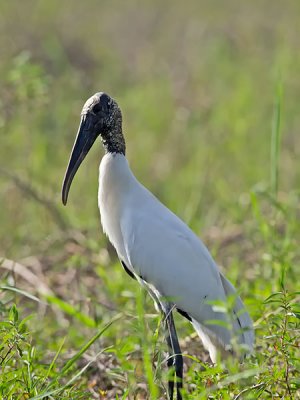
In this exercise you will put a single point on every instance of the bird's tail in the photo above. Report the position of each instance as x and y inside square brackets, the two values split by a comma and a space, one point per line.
[242, 323]
[242, 327]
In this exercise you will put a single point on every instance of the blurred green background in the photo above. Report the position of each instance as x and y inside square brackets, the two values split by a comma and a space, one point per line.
[197, 82]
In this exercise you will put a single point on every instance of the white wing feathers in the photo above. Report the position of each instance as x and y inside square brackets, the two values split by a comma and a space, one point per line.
[243, 322]
[168, 255]
[158, 247]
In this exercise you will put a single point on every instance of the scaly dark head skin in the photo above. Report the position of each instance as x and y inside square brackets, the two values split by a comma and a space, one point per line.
[100, 116]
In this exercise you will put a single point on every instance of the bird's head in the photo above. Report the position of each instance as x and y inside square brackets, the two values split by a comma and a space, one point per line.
[100, 116]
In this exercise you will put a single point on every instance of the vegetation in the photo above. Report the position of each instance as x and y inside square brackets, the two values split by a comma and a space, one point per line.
[209, 92]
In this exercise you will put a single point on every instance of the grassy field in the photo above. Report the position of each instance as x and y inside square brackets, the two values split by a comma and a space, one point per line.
[210, 95]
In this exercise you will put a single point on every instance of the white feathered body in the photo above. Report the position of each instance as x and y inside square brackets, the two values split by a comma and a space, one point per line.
[163, 251]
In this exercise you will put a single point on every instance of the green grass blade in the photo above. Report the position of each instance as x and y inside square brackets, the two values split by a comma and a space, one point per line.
[69, 363]
[22, 292]
[70, 310]
[70, 382]
[146, 346]
[72, 361]
[54, 359]
[275, 140]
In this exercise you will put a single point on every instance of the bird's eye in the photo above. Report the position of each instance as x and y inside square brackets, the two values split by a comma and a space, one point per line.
[97, 107]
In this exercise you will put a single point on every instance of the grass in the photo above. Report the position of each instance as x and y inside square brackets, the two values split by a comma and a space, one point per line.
[206, 132]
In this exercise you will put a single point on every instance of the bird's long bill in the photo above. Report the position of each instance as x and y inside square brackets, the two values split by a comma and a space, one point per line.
[83, 142]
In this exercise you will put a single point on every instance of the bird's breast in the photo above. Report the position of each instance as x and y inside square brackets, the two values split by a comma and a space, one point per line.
[114, 187]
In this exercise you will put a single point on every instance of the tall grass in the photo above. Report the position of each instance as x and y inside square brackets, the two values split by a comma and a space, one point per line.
[275, 139]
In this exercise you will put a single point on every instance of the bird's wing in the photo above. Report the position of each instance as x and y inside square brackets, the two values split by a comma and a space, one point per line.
[164, 252]
[242, 320]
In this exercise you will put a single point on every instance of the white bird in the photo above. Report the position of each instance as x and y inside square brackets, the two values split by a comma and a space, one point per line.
[155, 246]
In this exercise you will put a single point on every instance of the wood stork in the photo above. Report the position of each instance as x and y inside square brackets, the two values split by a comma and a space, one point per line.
[155, 246]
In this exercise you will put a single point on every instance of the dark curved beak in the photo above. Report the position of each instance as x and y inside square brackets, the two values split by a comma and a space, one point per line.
[85, 138]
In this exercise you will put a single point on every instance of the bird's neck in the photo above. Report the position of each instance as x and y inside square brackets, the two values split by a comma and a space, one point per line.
[114, 141]
[115, 175]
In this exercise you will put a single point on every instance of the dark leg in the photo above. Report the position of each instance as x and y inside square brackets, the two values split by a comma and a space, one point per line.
[175, 360]
[175, 357]
[170, 363]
